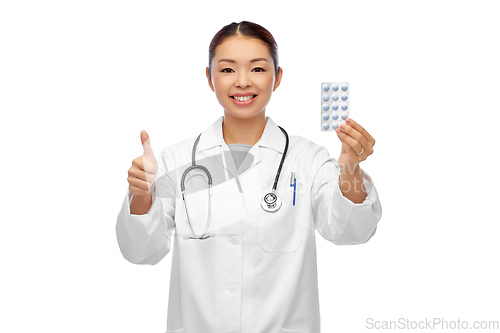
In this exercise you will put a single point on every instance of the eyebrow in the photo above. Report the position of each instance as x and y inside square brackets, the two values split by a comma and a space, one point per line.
[253, 60]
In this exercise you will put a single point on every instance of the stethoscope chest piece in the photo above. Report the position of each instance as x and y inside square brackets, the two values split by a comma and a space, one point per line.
[271, 202]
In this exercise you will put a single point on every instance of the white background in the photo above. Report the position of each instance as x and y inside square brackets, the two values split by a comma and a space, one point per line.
[79, 80]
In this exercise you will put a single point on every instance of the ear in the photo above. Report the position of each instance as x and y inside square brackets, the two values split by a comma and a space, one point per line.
[210, 81]
[278, 78]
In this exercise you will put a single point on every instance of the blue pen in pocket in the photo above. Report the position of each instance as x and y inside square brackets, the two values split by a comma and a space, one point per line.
[293, 182]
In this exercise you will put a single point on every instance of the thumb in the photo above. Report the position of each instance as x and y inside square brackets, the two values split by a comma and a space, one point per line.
[146, 145]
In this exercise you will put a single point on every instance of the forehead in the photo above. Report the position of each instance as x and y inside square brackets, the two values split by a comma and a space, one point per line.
[242, 48]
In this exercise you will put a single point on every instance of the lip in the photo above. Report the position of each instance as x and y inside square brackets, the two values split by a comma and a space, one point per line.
[250, 101]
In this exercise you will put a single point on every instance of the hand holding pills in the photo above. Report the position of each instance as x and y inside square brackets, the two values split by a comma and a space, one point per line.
[357, 143]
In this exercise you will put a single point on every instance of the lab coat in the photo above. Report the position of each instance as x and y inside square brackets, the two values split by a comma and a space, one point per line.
[257, 273]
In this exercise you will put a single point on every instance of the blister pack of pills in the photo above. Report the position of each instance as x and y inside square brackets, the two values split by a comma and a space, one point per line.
[334, 104]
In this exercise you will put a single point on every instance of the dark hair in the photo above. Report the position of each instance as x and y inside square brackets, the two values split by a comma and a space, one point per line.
[248, 29]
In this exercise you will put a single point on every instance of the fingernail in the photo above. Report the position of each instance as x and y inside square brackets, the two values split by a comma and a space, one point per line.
[348, 120]
[342, 126]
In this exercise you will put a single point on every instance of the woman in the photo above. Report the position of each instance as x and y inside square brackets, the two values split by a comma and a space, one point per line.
[241, 263]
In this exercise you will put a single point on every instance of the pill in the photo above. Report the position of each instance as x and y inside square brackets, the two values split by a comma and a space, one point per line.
[335, 97]
[344, 97]
[344, 116]
[344, 88]
[335, 107]
[335, 116]
[344, 107]
[326, 97]
[326, 126]
[335, 88]
[335, 126]
[326, 87]
[326, 107]
[326, 116]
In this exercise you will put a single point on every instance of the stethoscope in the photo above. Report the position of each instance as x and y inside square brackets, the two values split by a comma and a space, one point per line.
[270, 203]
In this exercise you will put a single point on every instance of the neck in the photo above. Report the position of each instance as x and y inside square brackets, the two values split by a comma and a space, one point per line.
[243, 130]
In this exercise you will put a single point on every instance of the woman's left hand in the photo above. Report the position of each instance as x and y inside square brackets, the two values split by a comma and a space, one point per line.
[357, 143]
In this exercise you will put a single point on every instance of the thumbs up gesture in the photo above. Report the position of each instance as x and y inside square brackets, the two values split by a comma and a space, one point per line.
[142, 174]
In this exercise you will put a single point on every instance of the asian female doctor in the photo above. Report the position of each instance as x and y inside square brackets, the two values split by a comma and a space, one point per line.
[245, 200]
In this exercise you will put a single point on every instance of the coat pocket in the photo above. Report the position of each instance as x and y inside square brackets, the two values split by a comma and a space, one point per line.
[282, 231]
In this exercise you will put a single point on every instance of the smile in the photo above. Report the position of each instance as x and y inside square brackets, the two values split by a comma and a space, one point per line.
[243, 98]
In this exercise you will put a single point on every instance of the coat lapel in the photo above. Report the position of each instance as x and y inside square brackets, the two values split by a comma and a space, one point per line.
[272, 138]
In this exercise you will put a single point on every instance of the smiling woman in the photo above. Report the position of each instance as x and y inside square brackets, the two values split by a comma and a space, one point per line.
[254, 266]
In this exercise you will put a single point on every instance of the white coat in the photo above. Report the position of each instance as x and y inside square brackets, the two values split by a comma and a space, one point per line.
[257, 272]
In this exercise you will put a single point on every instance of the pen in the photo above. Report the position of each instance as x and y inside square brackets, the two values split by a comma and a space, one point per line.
[294, 184]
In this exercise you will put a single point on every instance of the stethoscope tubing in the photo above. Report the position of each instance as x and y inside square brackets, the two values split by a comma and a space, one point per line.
[209, 182]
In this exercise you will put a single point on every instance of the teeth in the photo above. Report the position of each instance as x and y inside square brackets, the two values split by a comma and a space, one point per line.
[243, 99]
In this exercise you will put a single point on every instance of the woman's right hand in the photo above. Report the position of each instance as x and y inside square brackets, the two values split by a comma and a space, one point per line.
[142, 174]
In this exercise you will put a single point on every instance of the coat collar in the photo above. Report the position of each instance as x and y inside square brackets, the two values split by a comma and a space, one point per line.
[272, 137]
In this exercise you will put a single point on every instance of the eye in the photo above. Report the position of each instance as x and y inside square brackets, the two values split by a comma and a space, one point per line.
[261, 69]
[226, 69]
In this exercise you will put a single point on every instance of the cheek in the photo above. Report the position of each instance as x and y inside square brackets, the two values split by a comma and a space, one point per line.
[220, 85]
[216, 83]
[267, 83]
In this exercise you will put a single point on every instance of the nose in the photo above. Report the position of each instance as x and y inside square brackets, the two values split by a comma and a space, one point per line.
[242, 80]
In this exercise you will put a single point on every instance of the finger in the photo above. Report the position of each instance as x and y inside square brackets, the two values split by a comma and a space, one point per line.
[144, 164]
[136, 190]
[361, 130]
[150, 166]
[345, 146]
[360, 157]
[352, 142]
[347, 129]
[146, 145]
[139, 183]
[142, 175]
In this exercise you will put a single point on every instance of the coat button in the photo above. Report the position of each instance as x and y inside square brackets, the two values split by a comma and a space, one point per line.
[232, 288]
[235, 240]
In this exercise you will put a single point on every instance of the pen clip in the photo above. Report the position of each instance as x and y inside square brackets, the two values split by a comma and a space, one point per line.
[292, 178]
